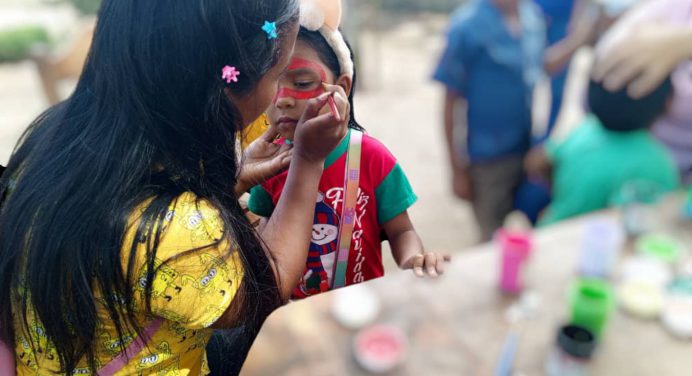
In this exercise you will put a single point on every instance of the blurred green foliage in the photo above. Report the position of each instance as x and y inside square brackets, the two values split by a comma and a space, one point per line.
[15, 44]
[87, 6]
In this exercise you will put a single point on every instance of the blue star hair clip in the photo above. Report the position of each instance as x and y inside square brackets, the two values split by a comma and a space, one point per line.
[270, 29]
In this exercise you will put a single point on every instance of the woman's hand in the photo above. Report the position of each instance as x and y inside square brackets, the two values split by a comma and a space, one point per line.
[318, 131]
[644, 58]
[262, 160]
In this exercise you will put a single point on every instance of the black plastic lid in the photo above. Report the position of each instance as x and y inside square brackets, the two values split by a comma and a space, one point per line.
[576, 341]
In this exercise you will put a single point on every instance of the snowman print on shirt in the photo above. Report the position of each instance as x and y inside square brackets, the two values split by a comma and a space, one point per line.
[322, 252]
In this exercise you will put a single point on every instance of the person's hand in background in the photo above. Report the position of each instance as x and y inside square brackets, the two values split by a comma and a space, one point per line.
[643, 59]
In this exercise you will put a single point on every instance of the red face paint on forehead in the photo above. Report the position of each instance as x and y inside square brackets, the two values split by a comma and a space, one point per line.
[299, 63]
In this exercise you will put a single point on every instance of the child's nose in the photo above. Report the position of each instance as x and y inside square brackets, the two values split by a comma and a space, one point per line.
[285, 102]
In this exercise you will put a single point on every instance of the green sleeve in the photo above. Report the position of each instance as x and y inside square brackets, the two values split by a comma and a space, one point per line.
[260, 202]
[394, 195]
[552, 150]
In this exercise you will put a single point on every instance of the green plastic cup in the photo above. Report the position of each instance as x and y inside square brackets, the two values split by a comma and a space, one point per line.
[591, 301]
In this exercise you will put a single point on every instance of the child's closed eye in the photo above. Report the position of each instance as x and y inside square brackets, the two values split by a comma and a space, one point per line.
[305, 85]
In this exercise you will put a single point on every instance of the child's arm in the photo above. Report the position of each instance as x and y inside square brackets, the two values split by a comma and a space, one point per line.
[585, 21]
[408, 251]
[455, 108]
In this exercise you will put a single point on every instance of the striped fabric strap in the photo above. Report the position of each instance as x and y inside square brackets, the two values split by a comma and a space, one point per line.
[119, 362]
[7, 365]
[348, 212]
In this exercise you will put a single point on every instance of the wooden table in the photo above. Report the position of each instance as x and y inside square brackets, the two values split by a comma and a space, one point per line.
[457, 326]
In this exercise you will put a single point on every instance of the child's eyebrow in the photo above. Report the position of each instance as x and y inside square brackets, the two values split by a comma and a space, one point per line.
[300, 71]
[307, 66]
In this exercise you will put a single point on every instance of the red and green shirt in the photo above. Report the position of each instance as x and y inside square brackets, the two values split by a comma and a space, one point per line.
[384, 193]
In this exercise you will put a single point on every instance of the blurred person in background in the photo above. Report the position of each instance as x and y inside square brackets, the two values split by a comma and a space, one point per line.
[593, 17]
[495, 54]
[558, 14]
[611, 147]
[662, 28]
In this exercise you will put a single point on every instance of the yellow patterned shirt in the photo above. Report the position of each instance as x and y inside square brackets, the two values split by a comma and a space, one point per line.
[190, 293]
[254, 131]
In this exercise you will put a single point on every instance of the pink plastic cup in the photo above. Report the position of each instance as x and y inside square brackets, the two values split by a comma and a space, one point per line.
[515, 249]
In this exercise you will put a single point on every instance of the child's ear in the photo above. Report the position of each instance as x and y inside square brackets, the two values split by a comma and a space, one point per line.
[346, 83]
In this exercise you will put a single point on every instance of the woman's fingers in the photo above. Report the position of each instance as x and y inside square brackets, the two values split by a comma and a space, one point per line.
[624, 73]
[647, 81]
[285, 159]
[270, 135]
[314, 106]
[340, 99]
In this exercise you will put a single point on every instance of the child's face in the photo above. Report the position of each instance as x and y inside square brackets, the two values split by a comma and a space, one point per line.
[302, 81]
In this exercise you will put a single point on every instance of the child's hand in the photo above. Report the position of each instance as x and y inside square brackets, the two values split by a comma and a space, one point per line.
[428, 263]
[537, 164]
[318, 131]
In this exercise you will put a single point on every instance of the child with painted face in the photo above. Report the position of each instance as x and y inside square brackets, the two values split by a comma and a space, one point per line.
[322, 59]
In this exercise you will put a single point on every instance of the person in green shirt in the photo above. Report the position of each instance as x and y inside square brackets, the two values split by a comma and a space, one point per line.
[611, 147]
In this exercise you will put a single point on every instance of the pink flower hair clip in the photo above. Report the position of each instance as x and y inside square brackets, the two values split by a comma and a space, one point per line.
[229, 74]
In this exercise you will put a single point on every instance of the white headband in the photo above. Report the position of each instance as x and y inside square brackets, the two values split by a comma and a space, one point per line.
[312, 17]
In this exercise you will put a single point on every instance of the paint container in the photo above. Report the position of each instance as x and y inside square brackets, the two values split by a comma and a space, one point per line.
[660, 247]
[356, 306]
[687, 207]
[641, 299]
[380, 348]
[677, 309]
[601, 244]
[572, 354]
[591, 302]
[515, 249]
[638, 200]
[646, 269]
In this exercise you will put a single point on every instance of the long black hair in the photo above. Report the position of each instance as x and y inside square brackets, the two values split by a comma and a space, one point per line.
[317, 42]
[148, 120]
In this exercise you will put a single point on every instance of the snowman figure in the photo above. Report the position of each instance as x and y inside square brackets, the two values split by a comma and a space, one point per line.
[323, 247]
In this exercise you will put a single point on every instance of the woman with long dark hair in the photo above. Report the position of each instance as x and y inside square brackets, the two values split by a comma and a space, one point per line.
[122, 243]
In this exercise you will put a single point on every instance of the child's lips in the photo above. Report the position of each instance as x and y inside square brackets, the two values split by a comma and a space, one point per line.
[287, 121]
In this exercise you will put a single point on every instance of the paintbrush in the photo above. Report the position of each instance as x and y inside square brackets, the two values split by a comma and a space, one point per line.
[332, 104]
